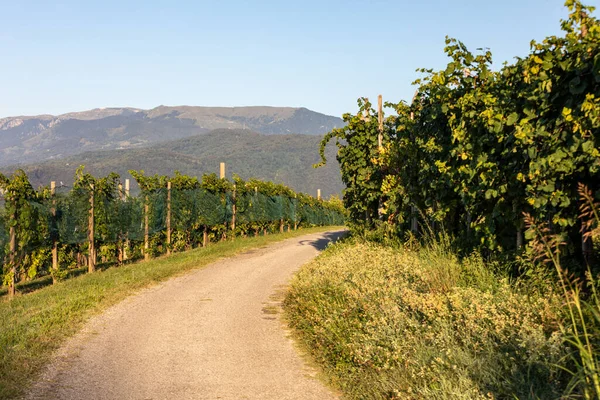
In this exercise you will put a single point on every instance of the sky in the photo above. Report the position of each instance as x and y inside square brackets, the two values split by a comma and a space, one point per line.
[65, 56]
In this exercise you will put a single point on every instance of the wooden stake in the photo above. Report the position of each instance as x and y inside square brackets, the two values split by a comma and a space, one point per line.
[205, 237]
[146, 229]
[414, 226]
[222, 171]
[168, 218]
[257, 231]
[296, 212]
[380, 119]
[120, 238]
[468, 225]
[520, 225]
[12, 258]
[92, 245]
[234, 212]
[54, 239]
[318, 194]
[126, 245]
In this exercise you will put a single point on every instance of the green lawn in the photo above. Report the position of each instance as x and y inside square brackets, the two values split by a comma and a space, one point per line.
[32, 326]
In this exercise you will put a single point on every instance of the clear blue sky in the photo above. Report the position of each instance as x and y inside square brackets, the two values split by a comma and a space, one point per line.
[62, 56]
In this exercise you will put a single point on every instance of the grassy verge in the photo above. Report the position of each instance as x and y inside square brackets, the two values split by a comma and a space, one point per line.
[394, 323]
[32, 326]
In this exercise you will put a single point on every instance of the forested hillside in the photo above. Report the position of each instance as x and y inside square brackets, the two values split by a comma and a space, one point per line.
[284, 159]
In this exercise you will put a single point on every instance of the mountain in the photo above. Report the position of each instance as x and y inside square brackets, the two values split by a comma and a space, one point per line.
[45, 137]
[286, 159]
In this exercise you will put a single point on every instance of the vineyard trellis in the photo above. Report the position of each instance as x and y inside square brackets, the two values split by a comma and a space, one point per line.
[54, 230]
[477, 148]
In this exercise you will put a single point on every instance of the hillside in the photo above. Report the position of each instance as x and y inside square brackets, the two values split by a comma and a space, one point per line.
[39, 138]
[284, 159]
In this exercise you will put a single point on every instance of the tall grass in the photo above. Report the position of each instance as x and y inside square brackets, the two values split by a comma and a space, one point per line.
[418, 322]
[581, 328]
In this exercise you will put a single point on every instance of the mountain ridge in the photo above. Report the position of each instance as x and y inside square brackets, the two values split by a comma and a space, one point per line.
[28, 139]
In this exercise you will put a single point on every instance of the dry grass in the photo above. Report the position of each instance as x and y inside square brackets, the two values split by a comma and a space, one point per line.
[413, 324]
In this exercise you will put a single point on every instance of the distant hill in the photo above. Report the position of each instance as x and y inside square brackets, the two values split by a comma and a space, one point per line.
[282, 158]
[45, 137]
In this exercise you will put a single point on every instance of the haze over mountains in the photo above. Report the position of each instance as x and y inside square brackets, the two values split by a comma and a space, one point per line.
[277, 144]
[45, 137]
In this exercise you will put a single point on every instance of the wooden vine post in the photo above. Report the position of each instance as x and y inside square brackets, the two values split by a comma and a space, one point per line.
[380, 142]
[520, 226]
[126, 244]
[54, 238]
[233, 212]
[281, 219]
[146, 228]
[256, 194]
[168, 218]
[380, 120]
[91, 233]
[295, 212]
[223, 198]
[120, 239]
[414, 223]
[12, 255]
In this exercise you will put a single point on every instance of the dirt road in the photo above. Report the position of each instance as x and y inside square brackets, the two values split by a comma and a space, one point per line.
[212, 334]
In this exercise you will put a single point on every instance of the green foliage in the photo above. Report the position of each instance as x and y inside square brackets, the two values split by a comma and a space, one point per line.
[22, 213]
[358, 158]
[199, 208]
[476, 148]
[149, 183]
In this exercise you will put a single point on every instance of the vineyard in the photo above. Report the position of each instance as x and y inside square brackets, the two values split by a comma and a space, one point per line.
[475, 210]
[60, 230]
[476, 150]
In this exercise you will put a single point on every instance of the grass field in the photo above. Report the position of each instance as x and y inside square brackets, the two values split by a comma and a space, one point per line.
[32, 326]
[399, 323]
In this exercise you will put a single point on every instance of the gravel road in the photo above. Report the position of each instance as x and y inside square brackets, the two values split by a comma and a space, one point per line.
[215, 333]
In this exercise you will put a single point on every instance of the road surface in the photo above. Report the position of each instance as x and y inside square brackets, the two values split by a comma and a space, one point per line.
[215, 333]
